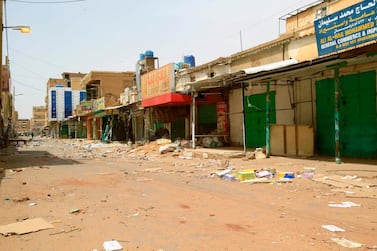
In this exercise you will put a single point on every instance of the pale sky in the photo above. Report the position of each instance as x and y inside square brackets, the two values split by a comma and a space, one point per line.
[110, 34]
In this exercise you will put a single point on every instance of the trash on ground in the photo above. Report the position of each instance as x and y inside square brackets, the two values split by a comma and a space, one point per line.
[112, 245]
[133, 215]
[346, 243]
[26, 226]
[32, 204]
[21, 199]
[344, 204]
[228, 177]
[222, 173]
[286, 175]
[66, 231]
[247, 174]
[142, 179]
[264, 173]
[167, 148]
[75, 210]
[333, 228]
[163, 141]
[259, 153]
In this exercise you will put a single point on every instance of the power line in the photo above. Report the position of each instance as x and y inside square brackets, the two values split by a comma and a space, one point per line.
[26, 85]
[47, 2]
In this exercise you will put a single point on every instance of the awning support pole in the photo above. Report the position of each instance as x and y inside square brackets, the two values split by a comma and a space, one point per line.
[243, 117]
[337, 117]
[268, 120]
[193, 120]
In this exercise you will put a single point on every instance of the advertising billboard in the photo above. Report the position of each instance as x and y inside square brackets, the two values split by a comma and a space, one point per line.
[158, 82]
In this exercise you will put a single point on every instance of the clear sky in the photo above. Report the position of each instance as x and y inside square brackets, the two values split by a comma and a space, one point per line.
[110, 34]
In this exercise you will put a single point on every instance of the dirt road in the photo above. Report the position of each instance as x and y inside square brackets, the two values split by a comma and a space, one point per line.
[92, 193]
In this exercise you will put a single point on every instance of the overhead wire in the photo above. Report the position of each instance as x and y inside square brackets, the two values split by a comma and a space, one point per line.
[47, 2]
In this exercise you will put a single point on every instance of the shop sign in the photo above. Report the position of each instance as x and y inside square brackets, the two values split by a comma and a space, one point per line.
[347, 28]
[222, 118]
[99, 104]
[157, 82]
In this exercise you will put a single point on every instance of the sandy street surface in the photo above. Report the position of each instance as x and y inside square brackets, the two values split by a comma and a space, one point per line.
[91, 193]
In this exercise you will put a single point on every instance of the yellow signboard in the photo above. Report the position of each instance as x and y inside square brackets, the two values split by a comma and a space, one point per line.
[158, 82]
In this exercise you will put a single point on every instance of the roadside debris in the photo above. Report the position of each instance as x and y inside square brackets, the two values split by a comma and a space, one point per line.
[266, 175]
[168, 148]
[21, 199]
[344, 204]
[112, 245]
[24, 227]
[346, 243]
[333, 228]
[75, 210]
[133, 215]
[66, 231]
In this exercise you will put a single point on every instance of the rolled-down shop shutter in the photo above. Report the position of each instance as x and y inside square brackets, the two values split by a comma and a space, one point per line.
[255, 118]
[358, 115]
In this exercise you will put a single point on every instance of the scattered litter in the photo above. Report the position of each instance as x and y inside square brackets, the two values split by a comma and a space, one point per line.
[65, 231]
[112, 245]
[286, 175]
[333, 228]
[262, 174]
[259, 153]
[247, 174]
[308, 175]
[346, 243]
[228, 177]
[222, 173]
[104, 173]
[21, 199]
[142, 179]
[75, 210]
[133, 215]
[163, 141]
[167, 148]
[24, 227]
[344, 204]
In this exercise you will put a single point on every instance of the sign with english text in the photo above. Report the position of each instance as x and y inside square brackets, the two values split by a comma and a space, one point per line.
[347, 28]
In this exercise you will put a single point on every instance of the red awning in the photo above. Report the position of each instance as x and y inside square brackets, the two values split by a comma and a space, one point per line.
[167, 99]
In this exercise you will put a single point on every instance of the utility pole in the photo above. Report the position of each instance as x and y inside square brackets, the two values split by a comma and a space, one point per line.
[241, 40]
[1, 72]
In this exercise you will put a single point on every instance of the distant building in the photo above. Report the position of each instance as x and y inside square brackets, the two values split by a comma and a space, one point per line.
[39, 120]
[62, 97]
[23, 126]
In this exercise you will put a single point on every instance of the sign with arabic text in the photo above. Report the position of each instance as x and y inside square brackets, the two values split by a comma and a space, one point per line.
[347, 28]
[157, 82]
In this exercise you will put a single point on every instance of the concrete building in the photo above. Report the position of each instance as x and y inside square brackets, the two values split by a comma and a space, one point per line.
[302, 93]
[39, 119]
[103, 89]
[62, 96]
[23, 126]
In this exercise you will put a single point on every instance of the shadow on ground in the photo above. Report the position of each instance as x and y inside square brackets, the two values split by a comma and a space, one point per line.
[11, 159]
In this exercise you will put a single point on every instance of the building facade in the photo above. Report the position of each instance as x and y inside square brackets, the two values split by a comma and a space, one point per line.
[39, 120]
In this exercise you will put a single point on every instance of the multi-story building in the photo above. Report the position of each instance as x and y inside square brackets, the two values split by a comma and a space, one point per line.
[103, 89]
[39, 120]
[63, 95]
[23, 126]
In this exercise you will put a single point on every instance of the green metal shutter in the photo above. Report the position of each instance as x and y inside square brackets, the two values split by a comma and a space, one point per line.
[255, 118]
[325, 116]
[358, 115]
